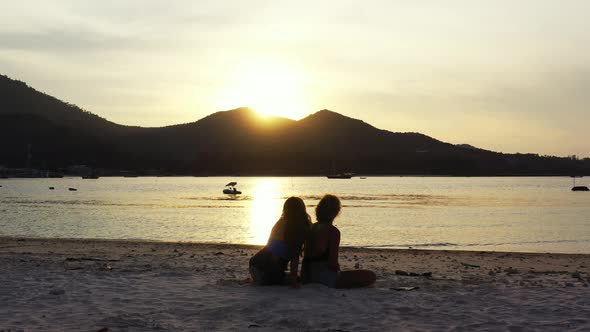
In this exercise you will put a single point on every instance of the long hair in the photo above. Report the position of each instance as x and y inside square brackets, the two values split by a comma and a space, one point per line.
[328, 209]
[297, 222]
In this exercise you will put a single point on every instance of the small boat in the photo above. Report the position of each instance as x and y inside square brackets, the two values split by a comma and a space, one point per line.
[129, 174]
[230, 189]
[92, 175]
[339, 176]
[578, 188]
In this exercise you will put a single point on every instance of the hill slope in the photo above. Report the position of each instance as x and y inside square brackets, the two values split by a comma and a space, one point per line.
[239, 141]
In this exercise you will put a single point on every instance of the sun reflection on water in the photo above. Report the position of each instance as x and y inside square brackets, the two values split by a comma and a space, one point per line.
[265, 209]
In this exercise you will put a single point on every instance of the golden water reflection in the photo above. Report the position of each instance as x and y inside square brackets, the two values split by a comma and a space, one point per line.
[266, 209]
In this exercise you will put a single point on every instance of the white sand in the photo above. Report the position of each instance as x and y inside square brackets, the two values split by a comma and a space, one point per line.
[81, 285]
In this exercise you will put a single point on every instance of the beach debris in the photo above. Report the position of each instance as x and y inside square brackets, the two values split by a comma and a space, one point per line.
[577, 275]
[412, 274]
[105, 267]
[410, 288]
[57, 291]
[548, 272]
[51, 188]
[470, 265]
[511, 271]
[92, 259]
[228, 282]
[218, 253]
[357, 265]
[253, 326]
[72, 189]
[491, 273]
[70, 266]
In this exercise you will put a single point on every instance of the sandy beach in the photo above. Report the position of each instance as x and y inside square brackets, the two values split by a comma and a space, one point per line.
[92, 285]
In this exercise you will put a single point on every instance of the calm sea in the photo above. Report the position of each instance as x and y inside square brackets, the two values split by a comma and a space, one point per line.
[503, 214]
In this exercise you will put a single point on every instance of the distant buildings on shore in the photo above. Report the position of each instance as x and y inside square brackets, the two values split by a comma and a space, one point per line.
[73, 170]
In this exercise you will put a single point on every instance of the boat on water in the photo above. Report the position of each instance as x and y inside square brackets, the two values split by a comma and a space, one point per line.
[91, 175]
[230, 189]
[578, 188]
[340, 176]
[336, 175]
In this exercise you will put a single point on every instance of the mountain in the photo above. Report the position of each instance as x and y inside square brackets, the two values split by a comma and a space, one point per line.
[41, 131]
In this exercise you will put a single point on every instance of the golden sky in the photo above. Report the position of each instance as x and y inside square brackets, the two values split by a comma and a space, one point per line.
[509, 76]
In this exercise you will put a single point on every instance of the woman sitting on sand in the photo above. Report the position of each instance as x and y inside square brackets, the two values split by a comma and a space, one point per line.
[284, 245]
[320, 262]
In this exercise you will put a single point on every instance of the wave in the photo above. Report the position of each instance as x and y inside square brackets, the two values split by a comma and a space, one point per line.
[524, 243]
[467, 245]
[49, 203]
[413, 245]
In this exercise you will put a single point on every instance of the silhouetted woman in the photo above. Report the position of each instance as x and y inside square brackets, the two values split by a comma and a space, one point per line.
[320, 262]
[284, 245]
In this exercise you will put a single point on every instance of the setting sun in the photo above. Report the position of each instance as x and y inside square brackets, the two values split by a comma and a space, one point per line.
[269, 88]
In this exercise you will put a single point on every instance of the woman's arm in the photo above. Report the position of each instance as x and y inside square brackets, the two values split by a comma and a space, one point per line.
[334, 244]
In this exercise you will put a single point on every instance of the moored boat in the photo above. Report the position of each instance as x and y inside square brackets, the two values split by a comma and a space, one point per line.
[340, 176]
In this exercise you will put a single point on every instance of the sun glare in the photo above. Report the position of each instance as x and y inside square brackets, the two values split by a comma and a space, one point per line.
[266, 209]
[269, 88]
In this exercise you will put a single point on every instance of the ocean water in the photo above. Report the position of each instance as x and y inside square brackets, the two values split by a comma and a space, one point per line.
[532, 214]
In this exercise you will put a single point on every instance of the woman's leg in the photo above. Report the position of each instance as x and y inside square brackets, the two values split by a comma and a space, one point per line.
[355, 279]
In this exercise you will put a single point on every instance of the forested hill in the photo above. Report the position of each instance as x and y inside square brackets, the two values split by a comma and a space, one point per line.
[239, 142]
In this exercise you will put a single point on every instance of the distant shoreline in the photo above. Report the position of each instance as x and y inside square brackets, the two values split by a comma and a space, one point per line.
[311, 176]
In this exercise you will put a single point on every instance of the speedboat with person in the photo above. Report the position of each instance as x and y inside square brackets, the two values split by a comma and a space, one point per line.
[230, 189]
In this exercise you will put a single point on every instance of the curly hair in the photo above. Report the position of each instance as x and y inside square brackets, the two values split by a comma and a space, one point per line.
[328, 208]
